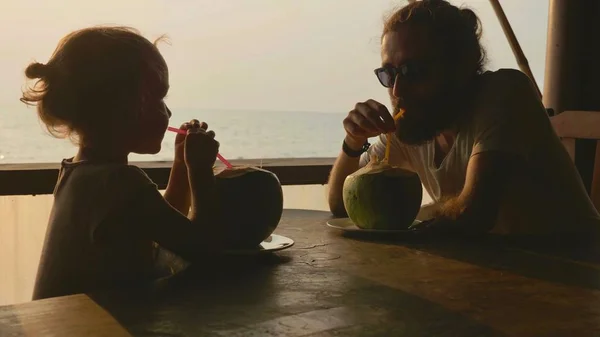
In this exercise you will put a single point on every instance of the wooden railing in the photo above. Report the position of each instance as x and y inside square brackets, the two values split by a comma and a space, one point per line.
[572, 126]
[33, 179]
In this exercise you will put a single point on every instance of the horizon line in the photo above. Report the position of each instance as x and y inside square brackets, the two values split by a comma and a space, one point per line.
[174, 107]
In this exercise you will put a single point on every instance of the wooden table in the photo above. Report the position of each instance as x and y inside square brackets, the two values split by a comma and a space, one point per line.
[331, 285]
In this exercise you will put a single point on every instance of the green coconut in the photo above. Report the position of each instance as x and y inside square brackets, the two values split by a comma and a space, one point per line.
[381, 196]
[251, 204]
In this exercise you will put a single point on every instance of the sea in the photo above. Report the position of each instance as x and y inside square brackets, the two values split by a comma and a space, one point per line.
[242, 135]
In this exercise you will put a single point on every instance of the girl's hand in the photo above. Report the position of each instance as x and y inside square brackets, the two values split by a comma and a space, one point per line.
[180, 139]
[178, 189]
[200, 149]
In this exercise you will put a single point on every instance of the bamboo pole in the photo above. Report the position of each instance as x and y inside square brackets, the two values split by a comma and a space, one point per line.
[514, 43]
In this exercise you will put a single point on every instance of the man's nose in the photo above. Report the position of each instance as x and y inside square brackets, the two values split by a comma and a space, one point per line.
[399, 88]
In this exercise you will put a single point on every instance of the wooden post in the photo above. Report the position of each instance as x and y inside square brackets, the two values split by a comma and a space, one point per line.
[514, 43]
[572, 79]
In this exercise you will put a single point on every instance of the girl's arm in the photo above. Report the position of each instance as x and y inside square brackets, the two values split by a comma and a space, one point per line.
[178, 189]
[150, 216]
[178, 192]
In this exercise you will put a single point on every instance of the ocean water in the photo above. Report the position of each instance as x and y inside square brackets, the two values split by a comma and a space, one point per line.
[242, 135]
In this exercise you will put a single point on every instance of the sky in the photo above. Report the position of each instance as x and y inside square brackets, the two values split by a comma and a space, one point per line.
[279, 55]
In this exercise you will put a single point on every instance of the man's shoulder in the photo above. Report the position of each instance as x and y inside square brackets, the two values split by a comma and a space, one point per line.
[505, 73]
[506, 81]
[508, 110]
[507, 91]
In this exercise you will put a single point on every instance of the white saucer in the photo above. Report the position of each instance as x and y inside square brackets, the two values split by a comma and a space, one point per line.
[271, 244]
[347, 225]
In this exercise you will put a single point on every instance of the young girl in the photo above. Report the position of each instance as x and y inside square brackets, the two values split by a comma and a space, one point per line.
[105, 87]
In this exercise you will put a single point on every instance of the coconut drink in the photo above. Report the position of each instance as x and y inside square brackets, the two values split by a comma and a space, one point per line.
[381, 196]
[251, 203]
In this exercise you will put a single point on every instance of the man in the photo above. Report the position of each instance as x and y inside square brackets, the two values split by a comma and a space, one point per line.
[480, 141]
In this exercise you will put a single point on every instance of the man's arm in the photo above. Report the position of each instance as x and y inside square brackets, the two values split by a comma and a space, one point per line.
[475, 209]
[506, 128]
[343, 167]
[368, 119]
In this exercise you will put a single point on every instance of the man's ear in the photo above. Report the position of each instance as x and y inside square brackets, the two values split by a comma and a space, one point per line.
[470, 65]
[464, 68]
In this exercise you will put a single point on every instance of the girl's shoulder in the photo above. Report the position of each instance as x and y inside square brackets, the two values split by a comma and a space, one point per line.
[101, 196]
[110, 178]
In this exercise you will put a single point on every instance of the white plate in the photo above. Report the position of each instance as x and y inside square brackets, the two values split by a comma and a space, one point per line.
[271, 244]
[347, 225]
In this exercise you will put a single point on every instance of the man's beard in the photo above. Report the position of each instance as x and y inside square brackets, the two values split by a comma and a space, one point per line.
[420, 125]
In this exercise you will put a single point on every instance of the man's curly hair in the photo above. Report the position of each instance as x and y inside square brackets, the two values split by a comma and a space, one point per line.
[456, 30]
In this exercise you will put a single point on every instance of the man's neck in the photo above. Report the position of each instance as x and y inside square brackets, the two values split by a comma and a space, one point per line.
[463, 104]
[445, 140]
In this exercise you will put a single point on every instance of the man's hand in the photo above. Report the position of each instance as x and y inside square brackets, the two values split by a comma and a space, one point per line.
[439, 225]
[367, 119]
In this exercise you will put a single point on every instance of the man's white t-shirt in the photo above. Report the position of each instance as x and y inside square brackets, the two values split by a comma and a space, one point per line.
[548, 198]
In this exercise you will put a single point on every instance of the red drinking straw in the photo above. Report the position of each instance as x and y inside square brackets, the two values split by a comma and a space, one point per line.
[183, 132]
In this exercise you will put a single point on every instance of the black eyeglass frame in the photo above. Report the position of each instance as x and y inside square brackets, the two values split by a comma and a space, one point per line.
[413, 72]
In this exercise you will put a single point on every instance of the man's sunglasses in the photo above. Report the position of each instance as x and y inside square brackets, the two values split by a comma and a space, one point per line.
[410, 71]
